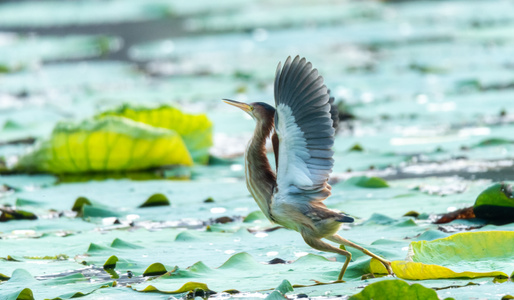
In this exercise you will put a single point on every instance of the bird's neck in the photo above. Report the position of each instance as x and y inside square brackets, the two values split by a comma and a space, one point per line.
[260, 178]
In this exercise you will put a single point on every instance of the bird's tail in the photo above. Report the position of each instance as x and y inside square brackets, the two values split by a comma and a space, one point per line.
[345, 219]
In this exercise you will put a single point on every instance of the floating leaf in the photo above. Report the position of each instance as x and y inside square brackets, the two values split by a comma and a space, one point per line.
[195, 130]
[155, 269]
[7, 214]
[89, 211]
[187, 287]
[22, 202]
[284, 287]
[275, 295]
[494, 142]
[357, 148]
[79, 203]
[395, 290]
[254, 216]
[111, 262]
[366, 182]
[4, 277]
[496, 203]
[121, 244]
[156, 200]
[107, 144]
[25, 294]
[462, 255]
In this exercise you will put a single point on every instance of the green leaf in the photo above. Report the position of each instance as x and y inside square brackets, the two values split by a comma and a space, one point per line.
[395, 290]
[357, 148]
[89, 211]
[79, 203]
[284, 287]
[254, 216]
[121, 244]
[4, 277]
[111, 262]
[494, 142]
[275, 295]
[187, 287]
[195, 130]
[156, 200]
[366, 182]
[155, 269]
[25, 294]
[496, 203]
[107, 144]
[462, 255]
[8, 214]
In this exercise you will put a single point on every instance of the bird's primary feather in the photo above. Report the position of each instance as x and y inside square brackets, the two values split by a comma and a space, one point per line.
[305, 129]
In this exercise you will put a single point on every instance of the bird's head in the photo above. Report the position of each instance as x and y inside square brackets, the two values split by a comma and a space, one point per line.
[259, 111]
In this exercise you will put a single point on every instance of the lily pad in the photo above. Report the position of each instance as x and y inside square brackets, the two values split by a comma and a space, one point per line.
[107, 144]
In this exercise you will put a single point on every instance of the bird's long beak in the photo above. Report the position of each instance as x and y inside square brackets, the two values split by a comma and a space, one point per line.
[246, 107]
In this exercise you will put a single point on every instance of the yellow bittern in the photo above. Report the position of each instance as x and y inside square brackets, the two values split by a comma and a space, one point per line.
[302, 133]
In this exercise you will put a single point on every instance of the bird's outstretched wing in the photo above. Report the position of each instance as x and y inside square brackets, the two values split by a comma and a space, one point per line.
[304, 126]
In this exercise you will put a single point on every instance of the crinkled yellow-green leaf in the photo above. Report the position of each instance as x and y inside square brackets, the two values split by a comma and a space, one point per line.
[106, 144]
[195, 130]
[462, 255]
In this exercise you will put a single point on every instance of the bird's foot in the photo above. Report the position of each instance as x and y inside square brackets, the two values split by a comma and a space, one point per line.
[387, 265]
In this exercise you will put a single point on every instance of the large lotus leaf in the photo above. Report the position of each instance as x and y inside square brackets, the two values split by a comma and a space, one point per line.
[462, 255]
[195, 130]
[108, 144]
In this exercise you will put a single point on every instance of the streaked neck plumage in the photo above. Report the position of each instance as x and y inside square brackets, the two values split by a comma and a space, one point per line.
[260, 178]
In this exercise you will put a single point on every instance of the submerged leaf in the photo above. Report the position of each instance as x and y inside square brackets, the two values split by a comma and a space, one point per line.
[395, 290]
[195, 130]
[107, 144]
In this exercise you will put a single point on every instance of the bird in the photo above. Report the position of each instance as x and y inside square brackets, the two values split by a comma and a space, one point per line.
[301, 127]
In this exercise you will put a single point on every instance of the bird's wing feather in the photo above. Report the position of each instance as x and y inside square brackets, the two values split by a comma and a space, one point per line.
[304, 126]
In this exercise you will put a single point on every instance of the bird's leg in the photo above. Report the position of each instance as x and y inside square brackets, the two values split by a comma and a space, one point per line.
[338, 239]
[318, 244]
